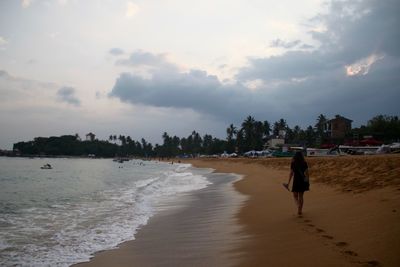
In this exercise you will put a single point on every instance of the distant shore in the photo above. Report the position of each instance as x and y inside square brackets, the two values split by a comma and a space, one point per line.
[351, 216]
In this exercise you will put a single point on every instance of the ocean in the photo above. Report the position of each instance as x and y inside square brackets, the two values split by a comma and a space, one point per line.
[62, 216]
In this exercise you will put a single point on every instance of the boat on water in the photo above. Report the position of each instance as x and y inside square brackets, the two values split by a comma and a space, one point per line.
[46, 167]
[121, 160]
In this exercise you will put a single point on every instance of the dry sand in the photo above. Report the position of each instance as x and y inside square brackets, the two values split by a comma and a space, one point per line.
[351, 215]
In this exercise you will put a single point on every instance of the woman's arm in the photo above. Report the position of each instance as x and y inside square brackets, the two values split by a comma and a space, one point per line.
[290, 175]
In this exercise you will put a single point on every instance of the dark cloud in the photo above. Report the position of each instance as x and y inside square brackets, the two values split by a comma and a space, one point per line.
[356, 31]
[284, 44]
[279, 43]
[67, 94]
[297, 85]
[4, 74]
[291, 65]
[193, 90]
[306, 46]
[116, 51]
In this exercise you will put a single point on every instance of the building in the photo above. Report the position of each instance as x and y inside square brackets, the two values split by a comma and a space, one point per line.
[90, 136]
[275, 142]
[338, 127]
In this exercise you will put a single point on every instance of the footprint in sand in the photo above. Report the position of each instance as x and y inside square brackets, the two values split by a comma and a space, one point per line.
[327, 236]
[341, 244]
[373, 263]
[319, 230]
[308, 223]
[350, 253]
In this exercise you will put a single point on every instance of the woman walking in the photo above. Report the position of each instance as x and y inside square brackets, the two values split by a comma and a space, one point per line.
[299, 173]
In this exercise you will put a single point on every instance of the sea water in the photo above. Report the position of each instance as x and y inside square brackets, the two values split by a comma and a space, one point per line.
[61, 216]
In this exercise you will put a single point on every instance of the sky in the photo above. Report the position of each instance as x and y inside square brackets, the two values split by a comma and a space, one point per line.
[145, 67]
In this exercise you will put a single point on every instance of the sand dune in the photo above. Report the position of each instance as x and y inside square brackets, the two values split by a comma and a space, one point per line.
[348, 173]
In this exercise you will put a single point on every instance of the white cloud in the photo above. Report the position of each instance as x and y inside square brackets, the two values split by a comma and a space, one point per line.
[54, 35]
[62, 2]
[254, 85]
[131, 9]
[26, 3]
[3, 42]
[362, 66]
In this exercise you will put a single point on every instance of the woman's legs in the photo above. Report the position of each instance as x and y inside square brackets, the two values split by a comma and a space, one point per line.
[298, 198]
[301, 201]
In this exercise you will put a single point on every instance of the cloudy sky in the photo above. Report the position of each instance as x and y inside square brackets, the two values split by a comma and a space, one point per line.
[142, 67]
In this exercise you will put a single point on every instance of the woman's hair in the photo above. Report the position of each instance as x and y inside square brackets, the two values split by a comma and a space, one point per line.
[298, 158]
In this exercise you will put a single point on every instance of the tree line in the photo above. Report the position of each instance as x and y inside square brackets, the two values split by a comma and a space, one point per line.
[250, 135]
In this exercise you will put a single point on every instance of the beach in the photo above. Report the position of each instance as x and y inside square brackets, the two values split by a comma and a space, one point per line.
[199, 231]
[351, 218]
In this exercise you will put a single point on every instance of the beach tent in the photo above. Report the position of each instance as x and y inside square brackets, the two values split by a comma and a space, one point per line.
[370, 142]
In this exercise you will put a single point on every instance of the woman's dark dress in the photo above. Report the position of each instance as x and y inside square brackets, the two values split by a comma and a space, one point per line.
[299, 185]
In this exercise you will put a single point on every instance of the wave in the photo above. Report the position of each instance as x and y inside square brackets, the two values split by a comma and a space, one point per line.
[72, 231]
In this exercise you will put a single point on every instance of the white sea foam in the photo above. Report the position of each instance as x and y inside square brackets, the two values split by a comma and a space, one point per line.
[67, 232]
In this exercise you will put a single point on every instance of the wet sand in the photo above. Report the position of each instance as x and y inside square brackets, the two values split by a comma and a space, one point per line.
[199, 231]
[351, 218]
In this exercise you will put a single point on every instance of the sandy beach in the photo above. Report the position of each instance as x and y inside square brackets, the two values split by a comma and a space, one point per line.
[351, 216]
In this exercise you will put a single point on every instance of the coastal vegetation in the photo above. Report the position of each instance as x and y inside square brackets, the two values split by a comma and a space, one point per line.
[250, 135]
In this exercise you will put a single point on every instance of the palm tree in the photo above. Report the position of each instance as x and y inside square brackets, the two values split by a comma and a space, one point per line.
[122, 139]
[248, 131]
[296, 134]
[248, 125]
[310, 136]
[267, 128]
[231, 131]
[197, 141]
[280, 125]
[240, 141]
[258, 134]
[320, 125]
[276, 129]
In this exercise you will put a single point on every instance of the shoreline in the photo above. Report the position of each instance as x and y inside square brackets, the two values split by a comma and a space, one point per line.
[351, 218]
[198, 230]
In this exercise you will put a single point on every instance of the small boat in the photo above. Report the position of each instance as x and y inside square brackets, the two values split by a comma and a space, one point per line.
[46, 167]
[120, 160]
